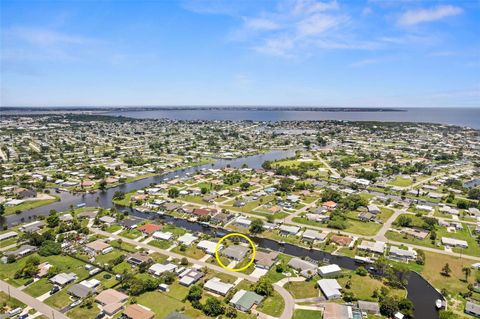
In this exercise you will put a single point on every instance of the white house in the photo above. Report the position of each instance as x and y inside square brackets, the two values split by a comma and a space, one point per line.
[330, 288]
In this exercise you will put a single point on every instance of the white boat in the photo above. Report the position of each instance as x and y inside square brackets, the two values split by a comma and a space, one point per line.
[439, 304]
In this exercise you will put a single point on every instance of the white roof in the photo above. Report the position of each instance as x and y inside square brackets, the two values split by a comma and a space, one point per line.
[7, 235]
[375, 246]
[454, 242]
[92, 283]
[290, 229]
[330, 287]
[216, 285]
[162, 235]
[158, 269]
[325, 270]
[243, 221]
[187, 239]
[209, 246]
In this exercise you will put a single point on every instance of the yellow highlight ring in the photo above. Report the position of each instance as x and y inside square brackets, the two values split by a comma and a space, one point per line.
[254, 252]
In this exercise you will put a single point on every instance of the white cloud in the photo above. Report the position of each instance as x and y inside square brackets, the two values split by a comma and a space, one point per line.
[45, 37]
[306, 7]
[260, 24]
[317, 24]
[413, 17]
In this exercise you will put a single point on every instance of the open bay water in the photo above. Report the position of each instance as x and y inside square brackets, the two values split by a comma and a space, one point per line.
[466, 117]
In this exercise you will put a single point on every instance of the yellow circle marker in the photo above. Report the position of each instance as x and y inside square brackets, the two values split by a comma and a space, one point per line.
[254, 252]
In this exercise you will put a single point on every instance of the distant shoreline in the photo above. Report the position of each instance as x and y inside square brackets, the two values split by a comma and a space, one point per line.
[199, 108]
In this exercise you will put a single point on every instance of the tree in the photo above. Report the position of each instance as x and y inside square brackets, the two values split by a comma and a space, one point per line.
[184, 261]
[388, 306]
[404, 221]
[467, 271]
[361, 271]
[49, 248]
[213, 307]
[230, 312]
[2, 209]
[173, 192]
[256, 226]
[263, 287]
[119, 195]
[446, 270]
[102, 185]
[406, 307]
[53, 220]
[195, 293]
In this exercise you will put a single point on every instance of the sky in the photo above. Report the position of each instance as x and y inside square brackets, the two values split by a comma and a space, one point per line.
[357, 53]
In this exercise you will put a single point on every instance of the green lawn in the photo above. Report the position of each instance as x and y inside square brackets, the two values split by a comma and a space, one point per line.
[302, 289]
[191, 251]
[113, 228]
[364, 286]
[60, 299]
[10, 303]
[107, 258]
[163, 304]
[9, 210]
[400, 181]
[307, 314]
[162, 244]
[38, 288]
[272, 305]
[83, 312]
[131, 233]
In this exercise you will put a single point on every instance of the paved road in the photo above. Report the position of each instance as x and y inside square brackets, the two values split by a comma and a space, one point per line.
[287, 298]
[31, 301]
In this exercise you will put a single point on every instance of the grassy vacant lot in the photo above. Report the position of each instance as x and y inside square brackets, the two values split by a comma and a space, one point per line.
[163, 304]
[107, 258]
[59, 300]
[83, 312]
[162, 244]
[307, 314]
[363, 287]
[113, 228]
[272, 305]
[131, 234]
[191, 251]
[455, 282]
[275, 276]
[400, 181]
[9, 210]
[123, 246]
[303, 289]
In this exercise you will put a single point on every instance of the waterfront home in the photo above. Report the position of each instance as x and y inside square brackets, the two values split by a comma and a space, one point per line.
[341, 240]
[377, 247]
[130, 223]
[311, 235]
[329, 271]
[404, 255]
[216, 286]
[330, 288]
[305, 268]
[209, 246]
[452, 242]
[98, 246]
[242, 222]
[286, 230]
[162, 235]
[244, 300]
[107, 220]
[236, 252]
[63, 279]
[265, 260]
[32, 227]
[187, 239]
[149, 229]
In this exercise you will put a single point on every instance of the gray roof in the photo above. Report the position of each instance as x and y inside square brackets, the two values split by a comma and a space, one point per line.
[237, 252]
[80, 291]
[176, 315]
[472, 307]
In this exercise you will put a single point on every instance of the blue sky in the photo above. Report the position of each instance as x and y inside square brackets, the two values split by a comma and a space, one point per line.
[289, 52]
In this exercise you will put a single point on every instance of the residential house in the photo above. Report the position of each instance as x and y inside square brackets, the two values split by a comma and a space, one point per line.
[244, 300]
[329, 271]
[149, 229]
[187, 239]
[330, 288]
[236, 252]
[98, 246]
[135, 311]
[137, 259]
[158, 269]
[63, 279]
[404, 255]
[32, 227]
[216, 286]
[305, 268]
[373, 209]
[111, 301]
[209, 246]
[162, 235]
[369, 307]
[22, 251]
[286, 230]
[377, 247]
[472, 308]
[190, 276]
[452, 242]
[311, 235]
[341, 240]
[265, 260]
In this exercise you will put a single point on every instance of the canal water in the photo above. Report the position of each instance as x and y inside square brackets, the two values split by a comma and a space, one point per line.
[420, 292]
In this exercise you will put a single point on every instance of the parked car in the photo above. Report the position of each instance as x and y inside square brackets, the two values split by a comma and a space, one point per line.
[28, 282]
[100, 315]
[76, 303]
[25, 315]
[54, 290]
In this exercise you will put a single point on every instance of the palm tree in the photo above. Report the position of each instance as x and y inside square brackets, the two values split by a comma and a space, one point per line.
[467, 271]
